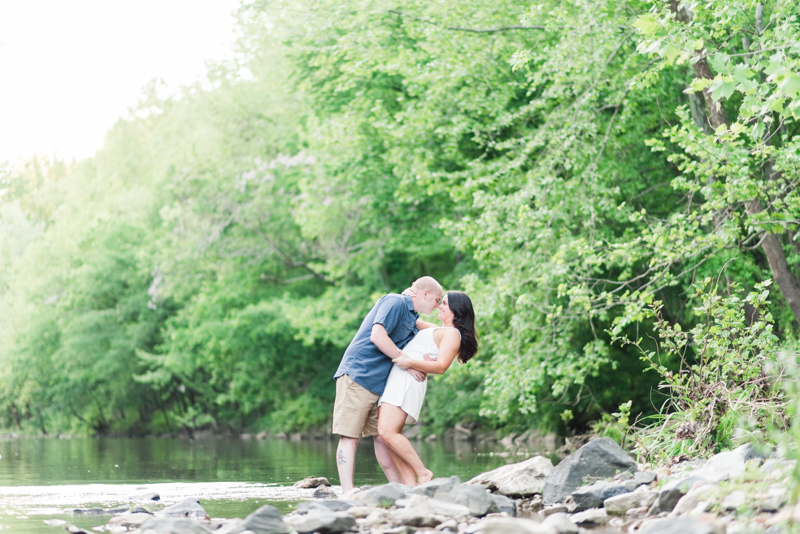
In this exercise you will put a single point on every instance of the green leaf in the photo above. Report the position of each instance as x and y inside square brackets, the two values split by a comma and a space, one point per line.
[646, 24]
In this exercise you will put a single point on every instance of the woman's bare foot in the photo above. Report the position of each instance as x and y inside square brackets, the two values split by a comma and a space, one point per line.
[426, 477]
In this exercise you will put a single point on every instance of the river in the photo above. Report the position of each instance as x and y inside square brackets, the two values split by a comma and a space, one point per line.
[44, 480]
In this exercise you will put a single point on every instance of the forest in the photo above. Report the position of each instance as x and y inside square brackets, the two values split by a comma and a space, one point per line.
[613, 182]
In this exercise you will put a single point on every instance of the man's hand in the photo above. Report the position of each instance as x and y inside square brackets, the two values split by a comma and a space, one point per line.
[402, 361]
[419, 376]
[409, 292]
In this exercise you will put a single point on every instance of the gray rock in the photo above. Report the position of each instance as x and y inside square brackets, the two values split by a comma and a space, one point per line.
[418, 518]
[517, 480]
[722, 466]
[509, 525]
[163, 525]
[265, 520]
[561, 523]
[734, 500]
[331, 505]
[557, 509]
[187, 508]
[150, 497]
[118, 510]
[644, 477]
[773, 464]
[620, 504]
[422, 505]
[311, 482]
[474, 497]
[672, 491]
[139, 510]
[596, 517]
[324, 523]
[760, 451]
[680, 525]
[775, 500]
[504, 504]
[89, 511]
[600, 458]
[594, 495]
[324, 492]
[381, 496]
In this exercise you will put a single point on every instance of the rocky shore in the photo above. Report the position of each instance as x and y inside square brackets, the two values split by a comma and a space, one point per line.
[599, 488]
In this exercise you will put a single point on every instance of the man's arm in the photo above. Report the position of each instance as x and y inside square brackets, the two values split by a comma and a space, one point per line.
[381, 339]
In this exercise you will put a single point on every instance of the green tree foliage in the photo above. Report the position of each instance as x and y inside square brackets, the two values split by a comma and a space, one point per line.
[567, 164]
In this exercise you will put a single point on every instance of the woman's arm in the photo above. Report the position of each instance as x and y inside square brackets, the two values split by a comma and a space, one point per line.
[422, 325]
[448, 350]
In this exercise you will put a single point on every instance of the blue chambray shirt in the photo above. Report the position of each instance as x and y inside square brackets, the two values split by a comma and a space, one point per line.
[363, 361]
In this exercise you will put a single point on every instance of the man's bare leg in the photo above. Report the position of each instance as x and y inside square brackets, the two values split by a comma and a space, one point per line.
[390, 424]
[384, 456]
[346, 461]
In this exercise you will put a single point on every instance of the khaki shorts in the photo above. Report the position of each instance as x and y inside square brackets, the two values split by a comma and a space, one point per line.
[355, 411]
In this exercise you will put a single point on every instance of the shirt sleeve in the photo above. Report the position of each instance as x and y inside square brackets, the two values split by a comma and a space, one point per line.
[389, 313]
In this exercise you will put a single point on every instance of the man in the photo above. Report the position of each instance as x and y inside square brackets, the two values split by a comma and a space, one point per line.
[362, 373]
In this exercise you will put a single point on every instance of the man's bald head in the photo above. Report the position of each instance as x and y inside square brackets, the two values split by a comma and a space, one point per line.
[428, 283]
[429, 293]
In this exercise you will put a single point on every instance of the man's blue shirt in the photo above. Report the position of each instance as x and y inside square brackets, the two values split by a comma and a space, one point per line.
[363, 361]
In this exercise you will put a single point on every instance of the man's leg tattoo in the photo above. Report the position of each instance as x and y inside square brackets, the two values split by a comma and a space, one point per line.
[341, 459]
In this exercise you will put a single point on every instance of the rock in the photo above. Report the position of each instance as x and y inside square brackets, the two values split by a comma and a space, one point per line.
[594, 495]
[89, 511]
[672, 491]
[139, 510]
[620, 504]
[561, 523]
[760, 451]
[164, 525]
[504, 504]
[450, 524]
[117, 510]
[557, 509]
[324, 523]
[596, 517]
[265, 520]
[130, 520]
[693, 498]
[149, 497]
[331, 505]
[517, 480]
[775, 500]
[54, 522]
[528, 507]
[187, 508]
[509, 525]
[722, 466]
[324, 492]
[420, 504]
[375, 518]
[734, 500]
[600, 458]
[350, 495]
[680, 525]
[772, 464]
[418, 518]
[359, 511]
[311, 482]
[76, 530]
[381, 496]
[644, 477]
[451, 490]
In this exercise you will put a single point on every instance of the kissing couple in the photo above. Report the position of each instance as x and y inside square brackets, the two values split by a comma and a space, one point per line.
[382, 378]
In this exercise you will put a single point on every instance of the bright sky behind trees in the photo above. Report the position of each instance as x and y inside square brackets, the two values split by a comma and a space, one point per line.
[71, 68]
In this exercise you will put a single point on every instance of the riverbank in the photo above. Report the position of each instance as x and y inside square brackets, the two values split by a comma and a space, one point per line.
[598, 488]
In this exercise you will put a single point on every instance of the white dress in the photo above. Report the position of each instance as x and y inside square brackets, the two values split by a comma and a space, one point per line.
[402, 390]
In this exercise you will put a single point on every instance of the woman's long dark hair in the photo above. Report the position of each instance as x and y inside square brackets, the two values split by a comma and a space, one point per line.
[464, 321]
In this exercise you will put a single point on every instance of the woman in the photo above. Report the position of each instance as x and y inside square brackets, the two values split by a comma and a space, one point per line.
[402, 399]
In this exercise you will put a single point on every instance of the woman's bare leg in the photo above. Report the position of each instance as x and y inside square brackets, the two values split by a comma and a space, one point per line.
[390, 425]
[405, 470]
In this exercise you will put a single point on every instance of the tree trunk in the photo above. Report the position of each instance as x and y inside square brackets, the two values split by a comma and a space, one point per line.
[778, 265]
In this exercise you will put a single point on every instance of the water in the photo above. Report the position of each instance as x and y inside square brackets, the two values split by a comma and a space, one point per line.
[45, 479]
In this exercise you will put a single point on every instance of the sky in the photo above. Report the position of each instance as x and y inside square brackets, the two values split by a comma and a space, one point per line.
[70, 68]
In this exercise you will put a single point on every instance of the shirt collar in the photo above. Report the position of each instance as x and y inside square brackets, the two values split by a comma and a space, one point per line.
[409, 303]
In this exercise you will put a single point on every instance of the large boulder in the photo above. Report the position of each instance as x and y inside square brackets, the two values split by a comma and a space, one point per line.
[167, 525]
[600, 458]
[188, 508]
[671, 492]
[476, 498]
[594, 495]
[324, 523]
[517, 480]
[511, 525]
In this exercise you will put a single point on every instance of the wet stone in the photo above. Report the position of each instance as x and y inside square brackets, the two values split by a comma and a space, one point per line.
[325, 523]
[165, 525]
[188, 508]
[331, 505]
[312, 482]
[324, 492]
